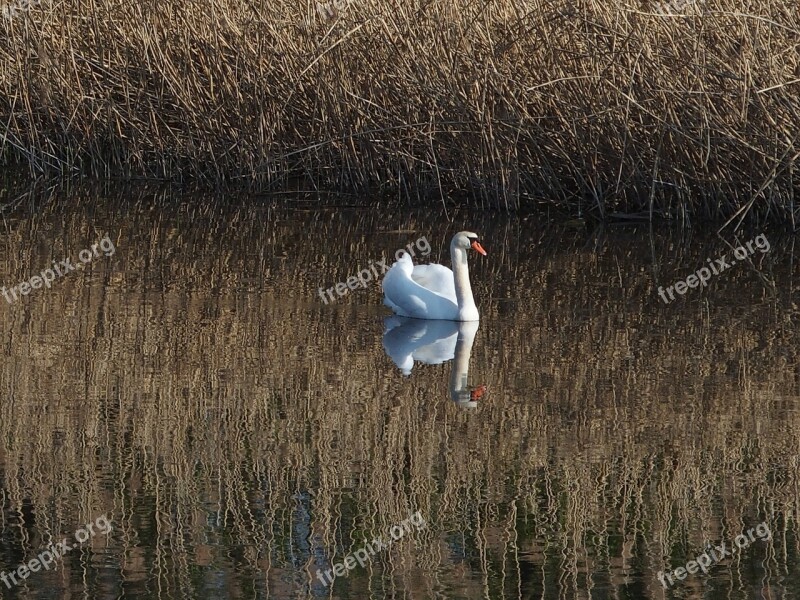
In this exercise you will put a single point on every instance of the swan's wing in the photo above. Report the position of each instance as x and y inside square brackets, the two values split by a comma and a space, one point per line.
[401, 293]
[408, 298]
[436, 278]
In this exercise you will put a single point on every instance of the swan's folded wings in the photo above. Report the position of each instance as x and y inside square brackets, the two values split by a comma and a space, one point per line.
[436, 278]
[399, 293]
[408, 298]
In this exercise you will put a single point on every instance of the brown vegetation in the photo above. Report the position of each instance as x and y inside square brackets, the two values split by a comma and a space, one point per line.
[590, 106]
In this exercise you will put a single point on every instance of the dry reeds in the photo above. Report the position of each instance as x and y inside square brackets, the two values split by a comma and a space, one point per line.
[591, 106]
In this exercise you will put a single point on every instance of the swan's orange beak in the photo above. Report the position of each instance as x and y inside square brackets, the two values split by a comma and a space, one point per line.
[476, 245]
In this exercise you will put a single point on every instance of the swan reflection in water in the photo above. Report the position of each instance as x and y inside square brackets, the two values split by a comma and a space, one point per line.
[434, 342]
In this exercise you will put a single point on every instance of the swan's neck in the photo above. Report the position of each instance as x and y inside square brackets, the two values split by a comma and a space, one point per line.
[466, 303]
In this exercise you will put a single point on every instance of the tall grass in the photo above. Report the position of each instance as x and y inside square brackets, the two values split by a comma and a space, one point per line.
[588, 106]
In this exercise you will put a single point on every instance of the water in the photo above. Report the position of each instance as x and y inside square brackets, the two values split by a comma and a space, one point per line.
[243, 437]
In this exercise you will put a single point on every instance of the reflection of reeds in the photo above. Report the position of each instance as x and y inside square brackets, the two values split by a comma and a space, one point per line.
[603, 104]
[231, 425]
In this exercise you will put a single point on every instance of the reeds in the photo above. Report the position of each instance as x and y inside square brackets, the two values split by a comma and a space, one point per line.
[592, 107]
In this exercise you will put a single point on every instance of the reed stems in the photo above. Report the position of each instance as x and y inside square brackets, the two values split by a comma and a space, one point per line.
[590, 107]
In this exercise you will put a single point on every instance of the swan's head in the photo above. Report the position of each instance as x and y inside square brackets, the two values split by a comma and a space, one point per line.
[466, 240]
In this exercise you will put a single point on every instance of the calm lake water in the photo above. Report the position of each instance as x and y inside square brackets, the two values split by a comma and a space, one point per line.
[226, 433]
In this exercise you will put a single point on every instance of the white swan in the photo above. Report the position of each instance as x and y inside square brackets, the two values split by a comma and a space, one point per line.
[434, 291]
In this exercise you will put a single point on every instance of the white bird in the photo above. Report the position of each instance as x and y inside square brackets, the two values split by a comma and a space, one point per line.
[434, 291]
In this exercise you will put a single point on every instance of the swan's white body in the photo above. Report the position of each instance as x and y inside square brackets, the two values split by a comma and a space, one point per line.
[434, 291]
